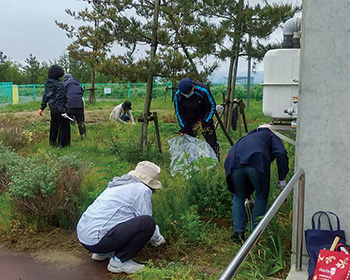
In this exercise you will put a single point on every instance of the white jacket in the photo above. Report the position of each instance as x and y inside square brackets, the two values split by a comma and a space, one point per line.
[118, 111]
[125, 198]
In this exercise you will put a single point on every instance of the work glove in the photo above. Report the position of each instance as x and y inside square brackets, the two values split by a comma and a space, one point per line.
[40, 112]
[158, 241]
[281, 184]
[64, 115]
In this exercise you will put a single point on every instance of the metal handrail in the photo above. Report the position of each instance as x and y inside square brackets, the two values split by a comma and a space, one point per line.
[299, 176]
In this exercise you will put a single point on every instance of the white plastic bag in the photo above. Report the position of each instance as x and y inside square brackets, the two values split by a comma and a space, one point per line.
[186, 151]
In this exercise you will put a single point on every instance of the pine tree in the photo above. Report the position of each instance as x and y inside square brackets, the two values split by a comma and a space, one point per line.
[91, 41]
[32, 70]
[246, 28]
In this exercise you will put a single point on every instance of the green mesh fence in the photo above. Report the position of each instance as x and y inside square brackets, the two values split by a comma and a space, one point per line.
[5, 92]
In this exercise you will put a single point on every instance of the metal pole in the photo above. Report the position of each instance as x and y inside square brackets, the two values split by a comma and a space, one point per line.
[248, 245]
[300, 223]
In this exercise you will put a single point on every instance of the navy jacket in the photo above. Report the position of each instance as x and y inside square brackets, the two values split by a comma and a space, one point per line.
[199, 107]
[74, 94]
[257, 149]
[55, 94]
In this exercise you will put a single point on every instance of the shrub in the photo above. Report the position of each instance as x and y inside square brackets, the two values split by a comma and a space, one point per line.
[123, 141]
[45, 188]
[207, 188]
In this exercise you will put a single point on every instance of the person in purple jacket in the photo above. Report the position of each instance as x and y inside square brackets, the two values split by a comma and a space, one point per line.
[247, 168]
[75, 102]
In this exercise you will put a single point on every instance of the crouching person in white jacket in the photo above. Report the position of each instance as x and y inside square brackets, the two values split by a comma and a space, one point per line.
[119, 223]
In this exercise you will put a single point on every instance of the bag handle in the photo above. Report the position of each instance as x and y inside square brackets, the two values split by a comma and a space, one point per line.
[345, 249]
[319, 221]
[328, 212]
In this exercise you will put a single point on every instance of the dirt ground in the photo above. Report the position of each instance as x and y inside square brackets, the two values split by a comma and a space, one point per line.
[20, 118]
[54, 255]
[57, 255]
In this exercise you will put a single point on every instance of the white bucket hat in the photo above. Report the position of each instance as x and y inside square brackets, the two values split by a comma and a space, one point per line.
[148, 173]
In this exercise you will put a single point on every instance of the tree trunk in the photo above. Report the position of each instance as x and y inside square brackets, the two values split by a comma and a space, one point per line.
[148, 98]
[229, 85]
[236, 49]
[92, 97]
[233, 88]
[249, 72]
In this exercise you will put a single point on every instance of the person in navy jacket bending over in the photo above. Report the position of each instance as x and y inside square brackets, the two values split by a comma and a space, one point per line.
[194, 104]
[247, 168]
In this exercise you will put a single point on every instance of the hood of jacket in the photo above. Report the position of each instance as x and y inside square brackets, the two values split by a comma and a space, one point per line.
[50, 84]
[71, 81]
[123, 180]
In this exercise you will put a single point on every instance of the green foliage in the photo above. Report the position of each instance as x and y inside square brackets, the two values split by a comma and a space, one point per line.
[208, 190]
[192, 228]
[178, 208]
[6, 213]
[178, 271]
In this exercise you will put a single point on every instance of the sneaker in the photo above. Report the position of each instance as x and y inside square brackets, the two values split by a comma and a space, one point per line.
[128, 266]
[238, 237]
[102, 257]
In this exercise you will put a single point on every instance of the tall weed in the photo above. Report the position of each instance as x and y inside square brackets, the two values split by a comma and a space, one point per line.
[14, 137]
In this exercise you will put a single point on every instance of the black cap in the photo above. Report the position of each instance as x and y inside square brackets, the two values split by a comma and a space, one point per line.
[127, 105]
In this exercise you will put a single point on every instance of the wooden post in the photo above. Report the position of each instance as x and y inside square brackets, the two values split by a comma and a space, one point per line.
[156, 126]
[224, 129]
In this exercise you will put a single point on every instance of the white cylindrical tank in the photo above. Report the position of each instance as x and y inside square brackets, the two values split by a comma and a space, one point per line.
[281, 81]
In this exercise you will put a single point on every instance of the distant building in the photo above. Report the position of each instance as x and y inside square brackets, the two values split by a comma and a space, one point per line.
[240, 80]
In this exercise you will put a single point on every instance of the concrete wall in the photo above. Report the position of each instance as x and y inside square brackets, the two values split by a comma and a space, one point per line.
[323, 136]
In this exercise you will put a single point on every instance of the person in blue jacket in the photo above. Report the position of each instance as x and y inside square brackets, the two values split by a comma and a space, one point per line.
[195, 104]
[247, 168]
[119, 223]
[75, 102]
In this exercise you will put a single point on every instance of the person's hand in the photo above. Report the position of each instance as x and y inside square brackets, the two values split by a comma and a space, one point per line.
[40, 112]
[158, 242]
[281, 184]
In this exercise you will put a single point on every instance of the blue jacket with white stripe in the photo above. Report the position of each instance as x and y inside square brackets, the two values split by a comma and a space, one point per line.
[199, 107]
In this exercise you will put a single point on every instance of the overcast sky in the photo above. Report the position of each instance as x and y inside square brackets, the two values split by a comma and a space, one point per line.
[28, 26]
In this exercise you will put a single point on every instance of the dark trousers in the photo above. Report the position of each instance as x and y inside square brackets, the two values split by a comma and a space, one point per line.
[78, 115]
[59, 130]
[126, 239]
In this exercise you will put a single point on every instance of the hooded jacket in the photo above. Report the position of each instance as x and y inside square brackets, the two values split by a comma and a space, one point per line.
[55, 94]
[257, 149]
[200, 106]
[74, 94]
[125, 198]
